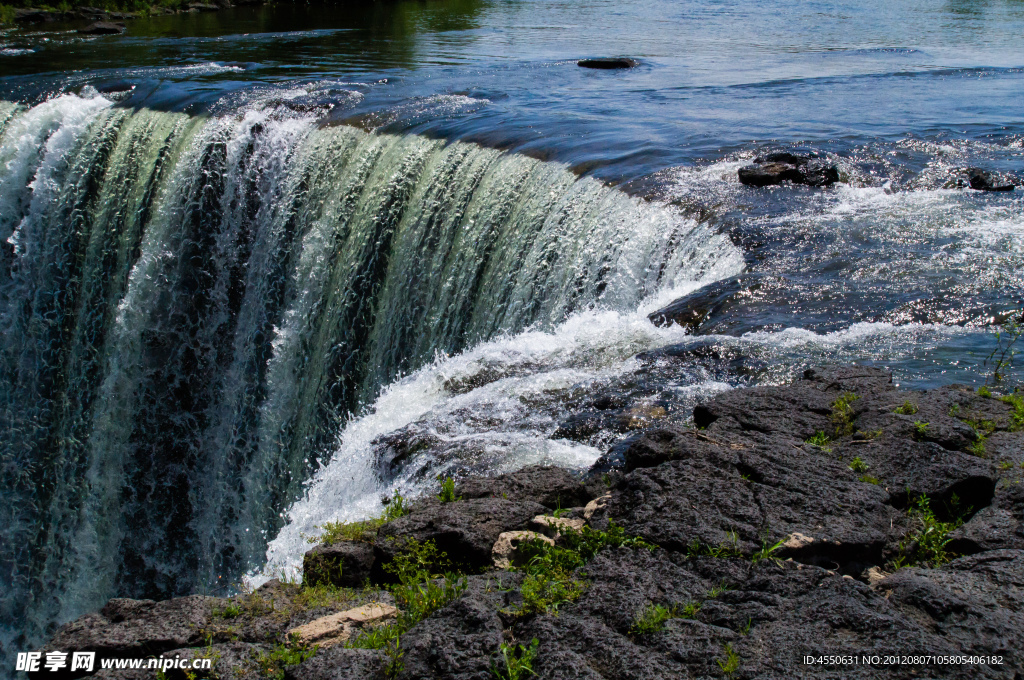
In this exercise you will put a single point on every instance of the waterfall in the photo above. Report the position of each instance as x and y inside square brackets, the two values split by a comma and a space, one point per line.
[195, 311]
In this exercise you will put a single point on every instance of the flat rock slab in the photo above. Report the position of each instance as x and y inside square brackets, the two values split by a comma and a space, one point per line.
[337, 628]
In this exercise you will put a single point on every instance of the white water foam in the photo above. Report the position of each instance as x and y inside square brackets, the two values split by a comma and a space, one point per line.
[501, 418]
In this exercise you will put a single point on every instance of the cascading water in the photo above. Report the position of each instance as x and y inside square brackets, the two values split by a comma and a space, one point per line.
[192, 309]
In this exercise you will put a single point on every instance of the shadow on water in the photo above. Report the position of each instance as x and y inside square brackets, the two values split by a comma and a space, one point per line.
[373, 36]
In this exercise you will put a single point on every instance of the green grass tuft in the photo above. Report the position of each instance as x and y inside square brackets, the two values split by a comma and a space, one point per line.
[335, 532]
[731, 663]
[858, 465]
[820, 439]
[907, 409]
[516, 661]
[925, 545]
[447, 494]
[842, 413]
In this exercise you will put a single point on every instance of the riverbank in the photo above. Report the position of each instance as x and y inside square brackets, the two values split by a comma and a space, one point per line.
[116, 10]
[834, 527]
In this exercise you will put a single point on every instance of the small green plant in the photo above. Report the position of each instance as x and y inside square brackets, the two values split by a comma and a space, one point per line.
[689, 611]
[1005, 465]
[1001, 359]
[272, 663]
[731, 663]
[920, 428]
[1017, 415]
[724, 550]
[767, 552]
[651, 619]
[231, 610]
[842, 413]
[6, 15]
[868, 479]
[447, 494]
[335, 532]
[869, 435]
[954, 410]
[421, 590]
[516, 661]
[820, 439]
[907, 409]
[925, 545]
[985, 392]
[744, 630]
[393, 654]
[553, 573]
[858, 465]
[718, 590]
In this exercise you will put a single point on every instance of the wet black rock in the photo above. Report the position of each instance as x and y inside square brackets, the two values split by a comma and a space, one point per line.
[608, 63]
[103, 28]
[776, 168]
[466, 530]
[693, 310]
[345, 564]
[552, 487]
[983, 180]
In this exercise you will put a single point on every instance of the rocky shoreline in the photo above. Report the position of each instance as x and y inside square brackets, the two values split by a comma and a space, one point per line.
[836, 527]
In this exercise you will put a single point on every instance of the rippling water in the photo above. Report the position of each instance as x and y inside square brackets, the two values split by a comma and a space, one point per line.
[242, 249]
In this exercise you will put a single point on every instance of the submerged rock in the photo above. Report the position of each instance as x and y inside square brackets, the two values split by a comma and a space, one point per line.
[103, 28]
[608, 63]
[776, 168]
[983, 180]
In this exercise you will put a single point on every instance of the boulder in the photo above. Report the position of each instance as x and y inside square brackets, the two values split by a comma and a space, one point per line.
[778, 167]
[608, 63]
[103, 28]
[345, 564]
[983, 180]
[465, 530]
[138, 628]
[551, 486]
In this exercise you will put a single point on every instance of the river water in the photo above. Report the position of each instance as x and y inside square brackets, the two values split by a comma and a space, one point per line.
[245, 250]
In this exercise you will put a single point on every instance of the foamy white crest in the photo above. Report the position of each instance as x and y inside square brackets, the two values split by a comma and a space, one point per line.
[588, 348]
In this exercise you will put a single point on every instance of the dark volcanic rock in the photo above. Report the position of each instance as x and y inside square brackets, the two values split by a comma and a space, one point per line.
[996, 527]
[779, 167]
[608, 63]
[553, 487]
[459, 641]
[138, 627]
[982, 180]
[767, 549]
[466, 530]
[346, 564]
[974, 602]
[339, 663]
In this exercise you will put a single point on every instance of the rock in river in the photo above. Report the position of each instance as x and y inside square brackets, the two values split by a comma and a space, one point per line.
[782, 166]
